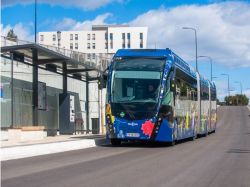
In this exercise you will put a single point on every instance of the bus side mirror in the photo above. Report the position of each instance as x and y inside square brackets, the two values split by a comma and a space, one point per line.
[172, 85]
[166, 112]
[105, 78]
[102, 82]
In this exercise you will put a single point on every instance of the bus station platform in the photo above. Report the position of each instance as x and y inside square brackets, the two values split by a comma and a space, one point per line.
[15, 150]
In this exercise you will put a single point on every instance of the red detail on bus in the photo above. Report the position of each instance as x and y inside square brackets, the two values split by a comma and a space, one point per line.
[147, 128]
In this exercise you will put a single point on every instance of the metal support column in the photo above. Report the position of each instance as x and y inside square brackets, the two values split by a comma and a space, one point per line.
[35, 87]
[65, 84]
[87, 103]
[99, 112]
[12, 91]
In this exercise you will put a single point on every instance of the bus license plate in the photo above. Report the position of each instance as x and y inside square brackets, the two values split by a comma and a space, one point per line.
[135, 135]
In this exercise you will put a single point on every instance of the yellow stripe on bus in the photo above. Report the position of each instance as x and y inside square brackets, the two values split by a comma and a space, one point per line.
[187, 121]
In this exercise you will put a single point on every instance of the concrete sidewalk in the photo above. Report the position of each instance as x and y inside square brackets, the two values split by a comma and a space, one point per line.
[15, 150]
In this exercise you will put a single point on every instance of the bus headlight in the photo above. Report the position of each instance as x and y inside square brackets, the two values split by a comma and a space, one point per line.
[108, 119]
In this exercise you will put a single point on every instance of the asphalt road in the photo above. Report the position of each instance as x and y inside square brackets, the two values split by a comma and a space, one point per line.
[221, 159]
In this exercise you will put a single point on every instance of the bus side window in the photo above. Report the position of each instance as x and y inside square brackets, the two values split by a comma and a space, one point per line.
[184, 91]
[204, 93]
[168, 95]
[178, 88]
[194, 95]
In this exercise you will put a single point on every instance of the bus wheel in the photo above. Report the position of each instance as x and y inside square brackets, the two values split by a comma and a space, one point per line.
[194, 137]
[115, 142]
[206, 133]
[172, 143]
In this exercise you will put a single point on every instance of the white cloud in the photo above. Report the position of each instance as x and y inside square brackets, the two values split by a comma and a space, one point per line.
[83, 4]
[71, 24]
[26, 31]
[64, 24]
[223, 31]
[22, 31]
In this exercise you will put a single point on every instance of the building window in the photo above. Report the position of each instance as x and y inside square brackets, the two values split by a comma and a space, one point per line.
[71, 36]
[141, 36]
[88, 37]
[59, 35]
[111, 36]
[106, 36]
[54, 37]
[41, 38]
[88, 56]
[88, 45]
[111, 45]
[106, 45]
[141, 40]
[76, 45]
[123, 40]
[93, 36]
[76, 36]
[93, 45]
[93, 56]
[128, 36]
[71, 45]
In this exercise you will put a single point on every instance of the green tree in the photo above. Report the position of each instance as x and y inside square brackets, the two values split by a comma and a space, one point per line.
[11, 35]
[237, 100]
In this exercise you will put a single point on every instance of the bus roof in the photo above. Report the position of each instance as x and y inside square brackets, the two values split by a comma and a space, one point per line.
[161, 53]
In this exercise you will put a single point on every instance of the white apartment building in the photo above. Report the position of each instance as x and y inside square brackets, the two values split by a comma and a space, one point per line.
[102, 39]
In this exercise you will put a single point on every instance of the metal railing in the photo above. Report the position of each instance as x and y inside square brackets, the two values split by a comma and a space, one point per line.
[97, 61]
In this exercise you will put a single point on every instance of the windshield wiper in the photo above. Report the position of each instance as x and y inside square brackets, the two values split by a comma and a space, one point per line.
[139, 101]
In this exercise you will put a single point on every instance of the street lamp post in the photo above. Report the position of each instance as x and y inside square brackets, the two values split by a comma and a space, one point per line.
[211, 65]
[195, 34]
[35, 18]
[240, 86]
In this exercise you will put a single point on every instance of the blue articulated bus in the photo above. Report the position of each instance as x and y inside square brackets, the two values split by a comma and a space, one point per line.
[153, 95]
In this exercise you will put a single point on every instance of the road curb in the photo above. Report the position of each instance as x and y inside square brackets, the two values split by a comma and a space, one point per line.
[17, 152]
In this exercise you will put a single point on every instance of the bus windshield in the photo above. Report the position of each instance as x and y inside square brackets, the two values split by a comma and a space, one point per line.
[136, 80]
[135, 86]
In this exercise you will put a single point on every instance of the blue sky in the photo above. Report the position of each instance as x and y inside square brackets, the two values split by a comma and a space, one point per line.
[223, 27]
[122, 11]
